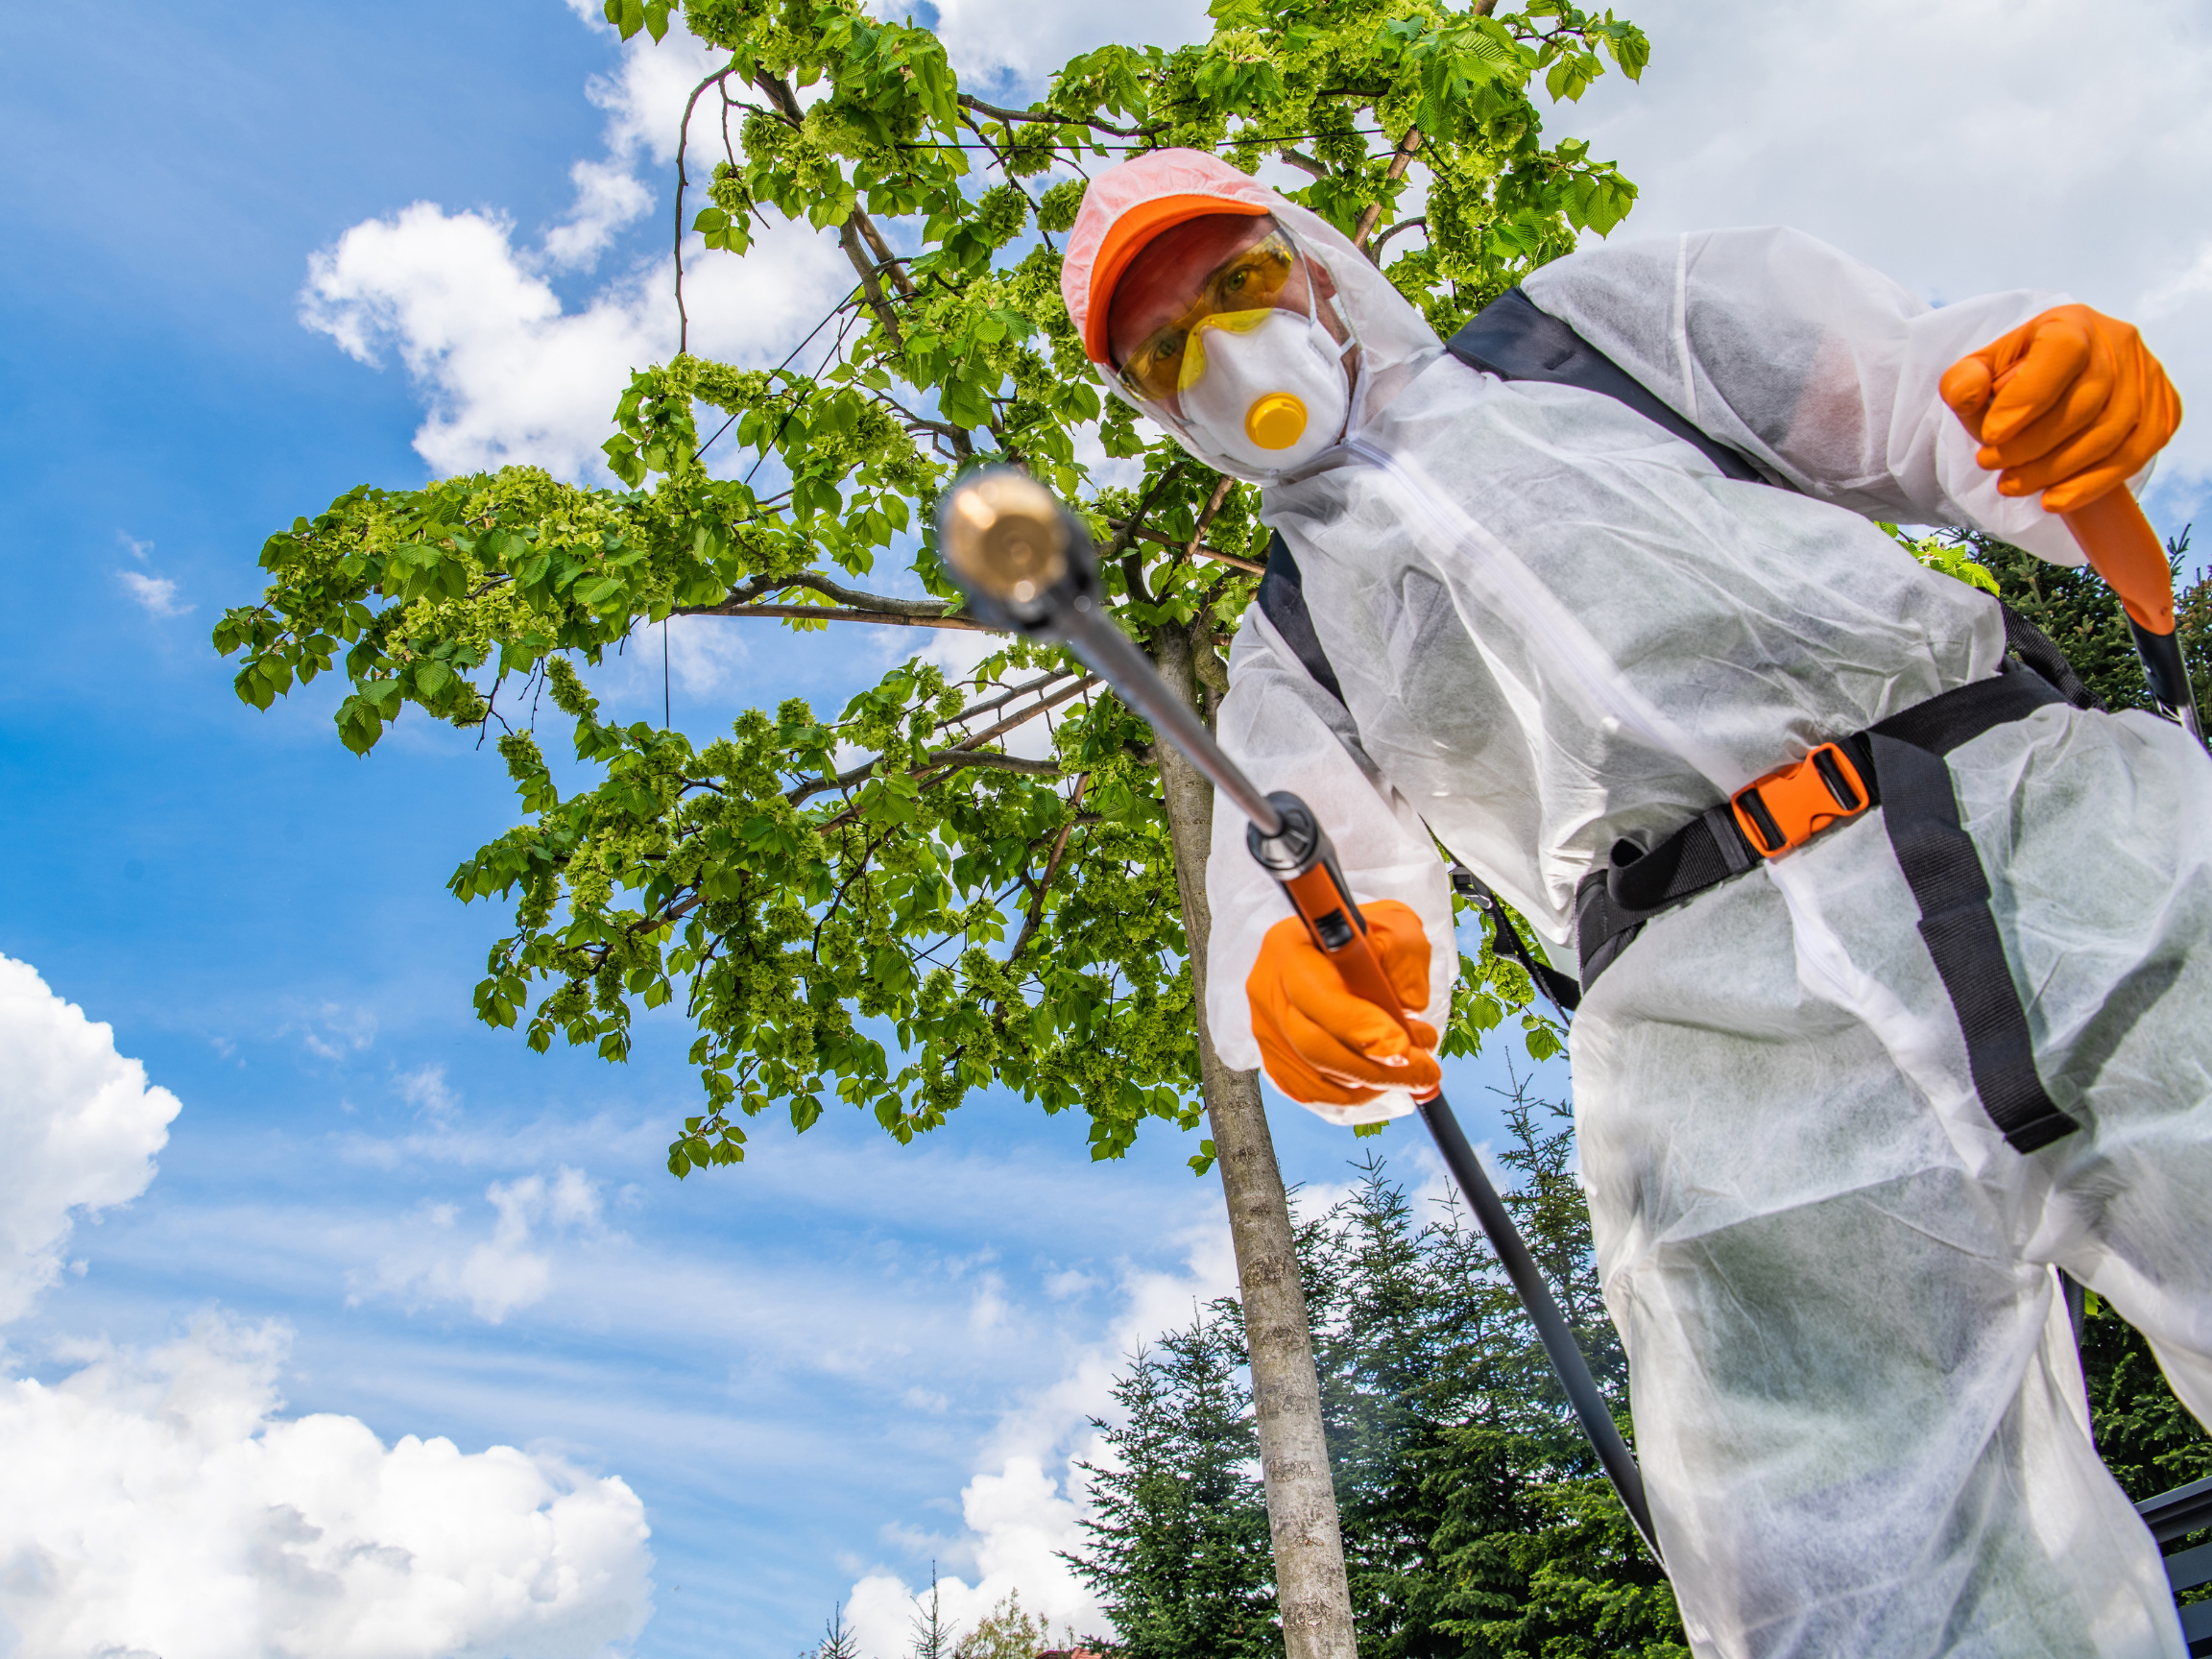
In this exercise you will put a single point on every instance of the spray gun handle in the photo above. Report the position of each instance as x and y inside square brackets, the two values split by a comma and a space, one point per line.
[2124, 550]
[1302, 861]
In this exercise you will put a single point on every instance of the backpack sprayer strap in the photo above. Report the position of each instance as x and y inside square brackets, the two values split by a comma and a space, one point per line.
[1897, 765]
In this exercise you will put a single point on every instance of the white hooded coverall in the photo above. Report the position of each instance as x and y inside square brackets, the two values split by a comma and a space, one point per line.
[1857, 1402]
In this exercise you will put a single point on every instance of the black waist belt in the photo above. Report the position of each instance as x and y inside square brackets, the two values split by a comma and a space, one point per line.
[1898, 765]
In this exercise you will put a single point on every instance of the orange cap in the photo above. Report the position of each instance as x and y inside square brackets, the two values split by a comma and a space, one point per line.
[1125, 207]
[1127, 237]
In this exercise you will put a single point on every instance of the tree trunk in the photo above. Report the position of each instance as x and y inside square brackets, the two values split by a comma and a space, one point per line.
[1315, 1597]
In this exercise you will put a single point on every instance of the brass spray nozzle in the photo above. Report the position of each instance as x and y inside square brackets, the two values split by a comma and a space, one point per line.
[1005, 534]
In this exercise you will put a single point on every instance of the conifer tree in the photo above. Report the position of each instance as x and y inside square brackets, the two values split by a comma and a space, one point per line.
[837, 1640]
[1179, 1530]
[1475, 1518]
[932, 1637]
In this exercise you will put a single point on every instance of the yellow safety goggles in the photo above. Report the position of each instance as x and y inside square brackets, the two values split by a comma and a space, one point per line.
[1236, 296]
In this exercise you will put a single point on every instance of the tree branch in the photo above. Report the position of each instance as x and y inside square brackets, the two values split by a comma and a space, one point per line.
[1128, 529]
[1304, 162]
[760, 587]
[967, 102]
[946, 763]
[1036, 916]
[943, 760]
[1005, 697]
[965, 753]
[683, 181]
[1121, 528]
[1026, 715]
[849, 239]
[885, 260]
[786, 102]
[990, 761]
[825, 614]
[1416, 222]
[1213, 506]
[1399, 162]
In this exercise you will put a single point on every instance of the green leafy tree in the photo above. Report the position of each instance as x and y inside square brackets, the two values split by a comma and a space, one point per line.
[1008, 1631]
[938, 915]
[2086, 620]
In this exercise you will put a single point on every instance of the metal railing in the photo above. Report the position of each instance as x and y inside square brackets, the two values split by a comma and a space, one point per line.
[2176, 1514]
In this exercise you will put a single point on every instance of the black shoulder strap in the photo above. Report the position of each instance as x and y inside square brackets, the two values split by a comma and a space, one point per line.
[2041, 653]
[1513, 340]
[1283, 602]
[1565, 994]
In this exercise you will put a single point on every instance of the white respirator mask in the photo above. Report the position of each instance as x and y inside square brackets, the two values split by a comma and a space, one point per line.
[1265, 390]
[1260, 389]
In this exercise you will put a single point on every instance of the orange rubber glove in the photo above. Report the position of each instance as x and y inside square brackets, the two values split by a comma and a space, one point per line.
[1321, 1043]
[2069, 403]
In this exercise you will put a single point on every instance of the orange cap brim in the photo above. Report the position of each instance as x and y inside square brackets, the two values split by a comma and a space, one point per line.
[1127, 237]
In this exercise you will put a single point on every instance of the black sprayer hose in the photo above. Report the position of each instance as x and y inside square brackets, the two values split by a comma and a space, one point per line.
[1558, 1338]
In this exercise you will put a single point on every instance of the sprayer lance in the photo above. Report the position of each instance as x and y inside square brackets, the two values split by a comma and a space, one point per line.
[1026, 564]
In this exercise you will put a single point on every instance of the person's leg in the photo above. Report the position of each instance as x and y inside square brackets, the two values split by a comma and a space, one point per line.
[2119, 946]
[1858, 1438]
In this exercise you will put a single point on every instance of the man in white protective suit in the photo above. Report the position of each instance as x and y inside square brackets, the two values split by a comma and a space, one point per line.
[1841, 1111]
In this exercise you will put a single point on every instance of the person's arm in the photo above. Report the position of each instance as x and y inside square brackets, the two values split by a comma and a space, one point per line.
[1820, 368]
[1288, 734]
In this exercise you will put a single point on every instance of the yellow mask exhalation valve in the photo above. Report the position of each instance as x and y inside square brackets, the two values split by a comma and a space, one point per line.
[1276, 421]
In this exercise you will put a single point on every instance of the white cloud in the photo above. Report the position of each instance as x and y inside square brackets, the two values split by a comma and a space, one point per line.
[1068, 1284]
[1964, 147]
[331, 1029]
[158, 1504]
[644, 101]
[607, 198]
[136, 548]
[511, 377]
[1026, 1507]
[426, 1090]
[998, 39]
[80, 1125]
[703, 655]
[157, 594]
[645, 96]
[499, 1274]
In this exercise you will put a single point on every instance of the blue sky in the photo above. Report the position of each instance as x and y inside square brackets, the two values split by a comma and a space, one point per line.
[846, 1358]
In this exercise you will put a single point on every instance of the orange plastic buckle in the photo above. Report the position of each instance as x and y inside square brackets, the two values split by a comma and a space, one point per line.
[1783, 810]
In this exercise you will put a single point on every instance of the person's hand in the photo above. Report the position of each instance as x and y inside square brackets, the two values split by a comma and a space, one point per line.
[1324, 1045]
[2069, 403]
